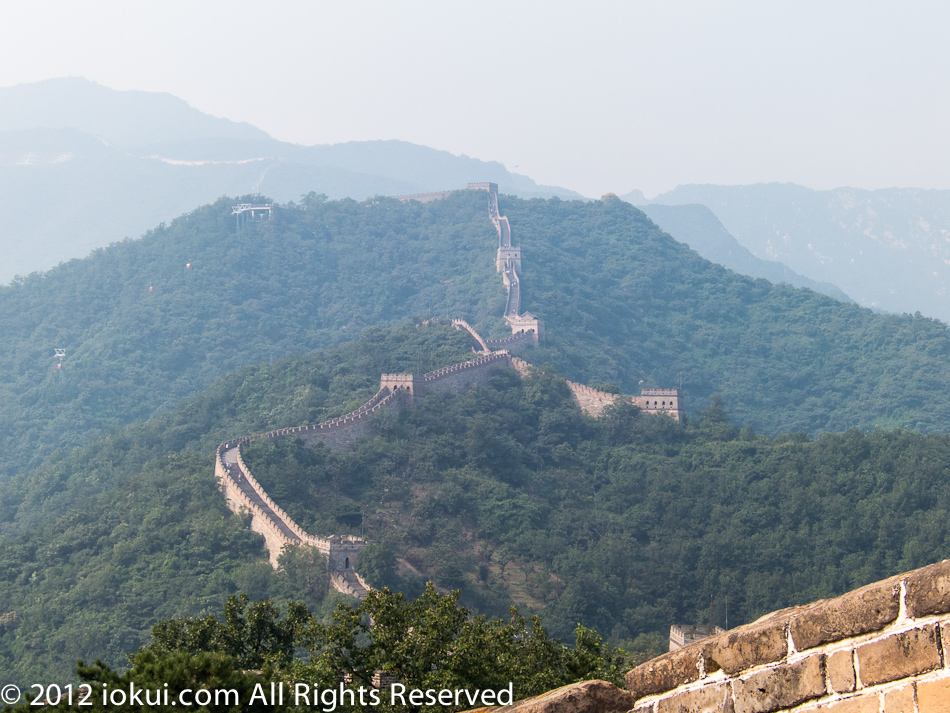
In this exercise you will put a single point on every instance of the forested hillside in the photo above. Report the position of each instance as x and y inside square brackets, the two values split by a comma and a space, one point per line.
[98, 544]
[621, 300]
[507, 492]
[625, 524]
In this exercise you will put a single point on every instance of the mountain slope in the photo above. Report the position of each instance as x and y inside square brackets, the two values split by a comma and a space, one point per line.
[696, 226]
[508, 492]
[622, 302]
[126, 119]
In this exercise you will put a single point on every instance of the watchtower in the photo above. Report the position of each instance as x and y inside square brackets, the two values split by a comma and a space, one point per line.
[405, 383]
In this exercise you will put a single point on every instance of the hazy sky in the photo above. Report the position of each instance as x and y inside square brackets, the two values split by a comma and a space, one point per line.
[604, 96]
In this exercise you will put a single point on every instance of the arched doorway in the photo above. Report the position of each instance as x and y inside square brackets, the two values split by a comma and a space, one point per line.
[346, 563]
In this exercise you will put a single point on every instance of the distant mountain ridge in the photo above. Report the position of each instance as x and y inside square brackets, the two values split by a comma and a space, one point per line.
[101, 165]
[888, 249]
[127, 119]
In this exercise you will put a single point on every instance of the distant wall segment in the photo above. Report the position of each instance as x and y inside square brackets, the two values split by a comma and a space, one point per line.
[244, 494]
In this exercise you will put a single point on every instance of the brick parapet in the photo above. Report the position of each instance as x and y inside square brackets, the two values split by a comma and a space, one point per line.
[424, 197]
[520, 340]
[301, 535]
[882, 647]
[477, 363]
[461, 324]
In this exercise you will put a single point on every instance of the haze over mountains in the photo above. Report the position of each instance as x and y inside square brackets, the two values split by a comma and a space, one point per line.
[82, 166]
[888, 249]
[699, 228]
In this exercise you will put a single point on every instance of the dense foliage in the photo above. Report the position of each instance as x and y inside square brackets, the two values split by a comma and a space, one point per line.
[91, 584]
[626, 524]
[428, 644]
[99, 543]
[621, 300]
[507, 492]
[142, 330]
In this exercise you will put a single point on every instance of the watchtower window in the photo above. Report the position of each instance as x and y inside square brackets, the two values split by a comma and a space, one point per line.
[346, 563]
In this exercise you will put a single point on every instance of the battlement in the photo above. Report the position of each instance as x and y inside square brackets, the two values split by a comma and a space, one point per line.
[505, 255]
[490, 187]
[409, 383]
[681, 636]
[527, 322]
[461, 324]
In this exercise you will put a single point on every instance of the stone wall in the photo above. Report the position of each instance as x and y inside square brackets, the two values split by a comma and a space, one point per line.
[460, 377]
[590, 401]
[274, 539]
[342, 432]
[424, 197]
[461, 324]
[884, 648]
[520, 340]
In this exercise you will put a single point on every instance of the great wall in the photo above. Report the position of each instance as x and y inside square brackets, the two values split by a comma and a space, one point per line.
[396, 391]
[883, 648]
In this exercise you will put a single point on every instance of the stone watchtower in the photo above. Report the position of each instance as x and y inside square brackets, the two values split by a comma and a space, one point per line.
[411, 384]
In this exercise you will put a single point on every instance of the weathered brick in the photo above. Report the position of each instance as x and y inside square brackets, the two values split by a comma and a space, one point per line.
[709, 699]
[665, 673]
[934, 696]
[859, 612]
[841, 671]
[781, 687]
[900, 700]
[584, 697]
[898, 656]
[748, 646]
[928, 590]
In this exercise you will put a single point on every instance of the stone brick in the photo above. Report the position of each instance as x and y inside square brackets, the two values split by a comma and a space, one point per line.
[868, 703]
[585, 697]
[928, 590]
[859, 612]
[900, 700]
[665, 673]
[747, 646]
[934, 696]
[898, 656]
[781, 687]
[841, 671]
[709, 699]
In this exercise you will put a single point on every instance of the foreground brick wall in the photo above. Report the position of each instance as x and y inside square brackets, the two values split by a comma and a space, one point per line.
[880, 649]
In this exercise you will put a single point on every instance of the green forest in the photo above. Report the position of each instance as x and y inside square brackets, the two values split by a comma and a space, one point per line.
[623, 302]
[812, 460]
[507, 493]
